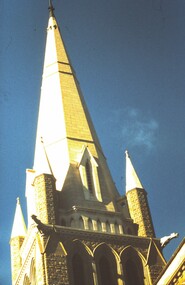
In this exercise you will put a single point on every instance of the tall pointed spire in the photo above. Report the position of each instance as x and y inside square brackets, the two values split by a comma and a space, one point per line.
[19, 227]
[132, 179]
[64, 121]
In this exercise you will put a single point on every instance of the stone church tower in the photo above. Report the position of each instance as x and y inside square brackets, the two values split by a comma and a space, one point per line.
[80, 230]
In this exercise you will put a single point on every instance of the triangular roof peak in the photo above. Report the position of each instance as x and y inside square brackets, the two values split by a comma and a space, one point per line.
[132, 179]
[19, 226]
[86, 154]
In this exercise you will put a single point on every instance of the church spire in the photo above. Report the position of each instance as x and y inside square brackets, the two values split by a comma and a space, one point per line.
[71, 197]
[132, 179]
[19, 227]
[70, 139]
[64, 122]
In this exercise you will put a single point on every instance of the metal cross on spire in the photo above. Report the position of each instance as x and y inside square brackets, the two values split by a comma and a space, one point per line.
[51, 8]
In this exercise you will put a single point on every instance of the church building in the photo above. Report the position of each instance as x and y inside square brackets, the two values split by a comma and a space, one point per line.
[80, 230]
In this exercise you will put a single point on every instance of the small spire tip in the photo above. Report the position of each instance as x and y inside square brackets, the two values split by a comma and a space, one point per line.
[51, 8]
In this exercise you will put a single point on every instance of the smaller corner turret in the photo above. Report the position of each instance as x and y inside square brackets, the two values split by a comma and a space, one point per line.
[17, 238]
[45, 198]
[137, 201]
[19, 226]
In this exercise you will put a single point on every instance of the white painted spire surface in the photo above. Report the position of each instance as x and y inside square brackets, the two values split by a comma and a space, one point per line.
[64, 122]
[132, 179]
[19, 226]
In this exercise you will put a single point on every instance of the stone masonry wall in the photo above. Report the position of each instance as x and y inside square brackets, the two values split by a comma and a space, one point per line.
[16, 263]
[45, 198]
[140, 212]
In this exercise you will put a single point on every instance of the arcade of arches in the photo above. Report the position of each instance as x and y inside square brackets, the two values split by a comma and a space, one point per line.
[104, 266]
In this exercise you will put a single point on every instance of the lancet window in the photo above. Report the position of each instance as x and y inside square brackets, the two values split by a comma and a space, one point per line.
[105, 271]
[133, 269]
[78, 270]
[88, 170]
[106, 265]
[89, 175]
[132, 274]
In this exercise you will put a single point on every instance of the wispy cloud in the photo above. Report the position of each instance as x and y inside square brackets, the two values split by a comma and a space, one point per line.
[137, 128]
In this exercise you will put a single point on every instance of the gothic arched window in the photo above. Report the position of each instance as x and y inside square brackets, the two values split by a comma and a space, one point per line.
[78, 270]
[108, 230]
[90, 224]
[79, 262]
[105, 271]
[99, 226]
[133, 270]
[88, 168]
[116, 228]
[106, 265]
[81, 223]
[132, 274]
[72, 223]
[89, 176]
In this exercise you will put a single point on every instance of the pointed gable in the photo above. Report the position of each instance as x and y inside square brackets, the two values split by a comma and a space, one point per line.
[89, 175]
[154, 256]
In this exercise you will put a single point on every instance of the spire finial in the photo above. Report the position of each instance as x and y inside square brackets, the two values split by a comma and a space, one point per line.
[127, 153]
[51, 8]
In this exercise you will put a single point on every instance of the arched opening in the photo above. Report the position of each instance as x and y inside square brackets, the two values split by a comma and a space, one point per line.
[72, 223]
[106, 266]
[105, 271]
[90, 184]
[99, 226]
[78, 270]
[88, 168]
[90, 225]
[133, 271]
[81, 223]
[108, 230]
[79, 263]
[116, 228]
[132, 274]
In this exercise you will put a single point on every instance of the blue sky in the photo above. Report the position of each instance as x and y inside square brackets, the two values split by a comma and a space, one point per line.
[129, 56]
